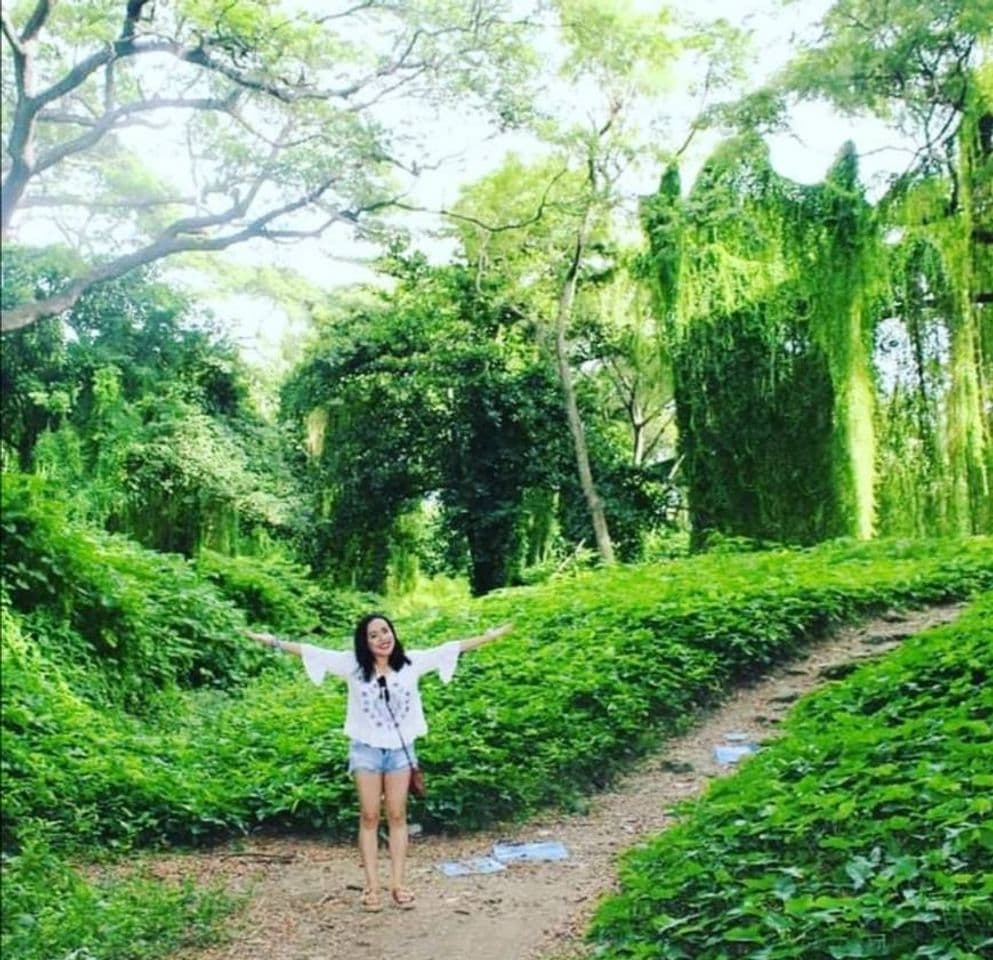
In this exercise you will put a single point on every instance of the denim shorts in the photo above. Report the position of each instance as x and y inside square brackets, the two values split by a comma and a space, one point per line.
[366, 759]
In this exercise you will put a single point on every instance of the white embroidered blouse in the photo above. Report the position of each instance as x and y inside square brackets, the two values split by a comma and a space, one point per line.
[367, 718]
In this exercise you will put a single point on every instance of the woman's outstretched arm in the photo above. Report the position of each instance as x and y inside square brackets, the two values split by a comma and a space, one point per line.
[270, 640]
[492, 634]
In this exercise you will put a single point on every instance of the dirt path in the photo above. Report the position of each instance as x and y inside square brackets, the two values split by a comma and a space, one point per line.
[304, 894]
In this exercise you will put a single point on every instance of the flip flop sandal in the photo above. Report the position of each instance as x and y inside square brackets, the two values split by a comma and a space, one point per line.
[371, 901]
[404, 899]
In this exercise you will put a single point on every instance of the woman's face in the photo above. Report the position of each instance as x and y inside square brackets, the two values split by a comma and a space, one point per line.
[380, 637]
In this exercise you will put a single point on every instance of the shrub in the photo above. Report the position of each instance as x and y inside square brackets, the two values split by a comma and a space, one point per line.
[593, 674]
[137, 621]
[283, 595]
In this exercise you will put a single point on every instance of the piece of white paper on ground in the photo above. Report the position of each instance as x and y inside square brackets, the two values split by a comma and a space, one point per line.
[732, 754]
[504, 853]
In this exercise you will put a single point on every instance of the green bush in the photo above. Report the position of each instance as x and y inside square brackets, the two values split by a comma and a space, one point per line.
[283, 595]
[863, 832]
[125, 622]
[51, 911]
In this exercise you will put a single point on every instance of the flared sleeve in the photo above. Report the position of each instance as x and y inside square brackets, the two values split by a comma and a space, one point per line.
[443, 658]
[318, 662]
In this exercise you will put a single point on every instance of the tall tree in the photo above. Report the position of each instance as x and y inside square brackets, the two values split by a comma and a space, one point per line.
[924, 68]
[616, 65]
[281, 117]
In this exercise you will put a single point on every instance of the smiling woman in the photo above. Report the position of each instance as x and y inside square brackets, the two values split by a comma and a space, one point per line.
[383, 719]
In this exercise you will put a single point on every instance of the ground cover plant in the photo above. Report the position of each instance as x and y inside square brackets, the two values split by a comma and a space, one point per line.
[99, 635]
[51, 909]
[53, 912]
[598, 667]
[593, 672]
[864, 832]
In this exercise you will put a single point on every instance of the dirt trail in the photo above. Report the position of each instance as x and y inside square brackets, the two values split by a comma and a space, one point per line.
[304, 893]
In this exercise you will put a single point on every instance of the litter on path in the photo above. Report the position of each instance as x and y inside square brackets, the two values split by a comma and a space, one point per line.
[538, 850]
[733, 753]
[504, 853]
[736, 746]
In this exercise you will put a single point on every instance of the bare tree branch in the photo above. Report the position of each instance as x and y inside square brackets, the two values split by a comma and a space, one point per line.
[11, 34]
[358, 107]
[169, 244]
[60, 201]
[36, 21]
[489, 227]
[63, 116]
[100, 127]
[366, 5]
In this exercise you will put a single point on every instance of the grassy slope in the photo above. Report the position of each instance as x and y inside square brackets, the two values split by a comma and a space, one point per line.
[597, 666]
[864, 832]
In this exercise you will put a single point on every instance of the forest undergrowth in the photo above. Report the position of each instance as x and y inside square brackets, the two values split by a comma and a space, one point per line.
[863, 831]
[597, 669]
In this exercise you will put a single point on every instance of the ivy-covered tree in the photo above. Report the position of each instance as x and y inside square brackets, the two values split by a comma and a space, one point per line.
[768, 290]
[926, 69]
[432, 391]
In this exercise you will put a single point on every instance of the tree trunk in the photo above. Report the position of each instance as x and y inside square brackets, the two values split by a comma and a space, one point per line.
[855, 429]
[568, 295]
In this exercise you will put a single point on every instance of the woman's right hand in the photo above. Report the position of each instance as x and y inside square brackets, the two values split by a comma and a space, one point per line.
[265, 638]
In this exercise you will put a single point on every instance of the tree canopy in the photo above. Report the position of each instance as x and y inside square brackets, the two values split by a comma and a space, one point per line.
[734, 354]
[279, 117]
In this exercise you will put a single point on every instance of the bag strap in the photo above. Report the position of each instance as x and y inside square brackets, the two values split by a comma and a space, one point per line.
[386, 699]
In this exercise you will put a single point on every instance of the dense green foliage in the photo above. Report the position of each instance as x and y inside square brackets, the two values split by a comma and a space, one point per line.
[884, 306]
[214, 764]
[756, 465]
[126, 623]
[142, 412]
[434, 390]
[592, 675]
[863, 832]
[767, 294]
[769, 363]
[52, 911]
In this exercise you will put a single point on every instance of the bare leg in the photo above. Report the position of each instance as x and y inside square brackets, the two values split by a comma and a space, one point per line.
[396, 785]
[370, 787]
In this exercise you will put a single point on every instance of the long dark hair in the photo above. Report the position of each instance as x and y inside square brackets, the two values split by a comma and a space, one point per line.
[364, 655]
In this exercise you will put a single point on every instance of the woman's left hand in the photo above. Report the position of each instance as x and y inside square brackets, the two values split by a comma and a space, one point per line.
[494, 632]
